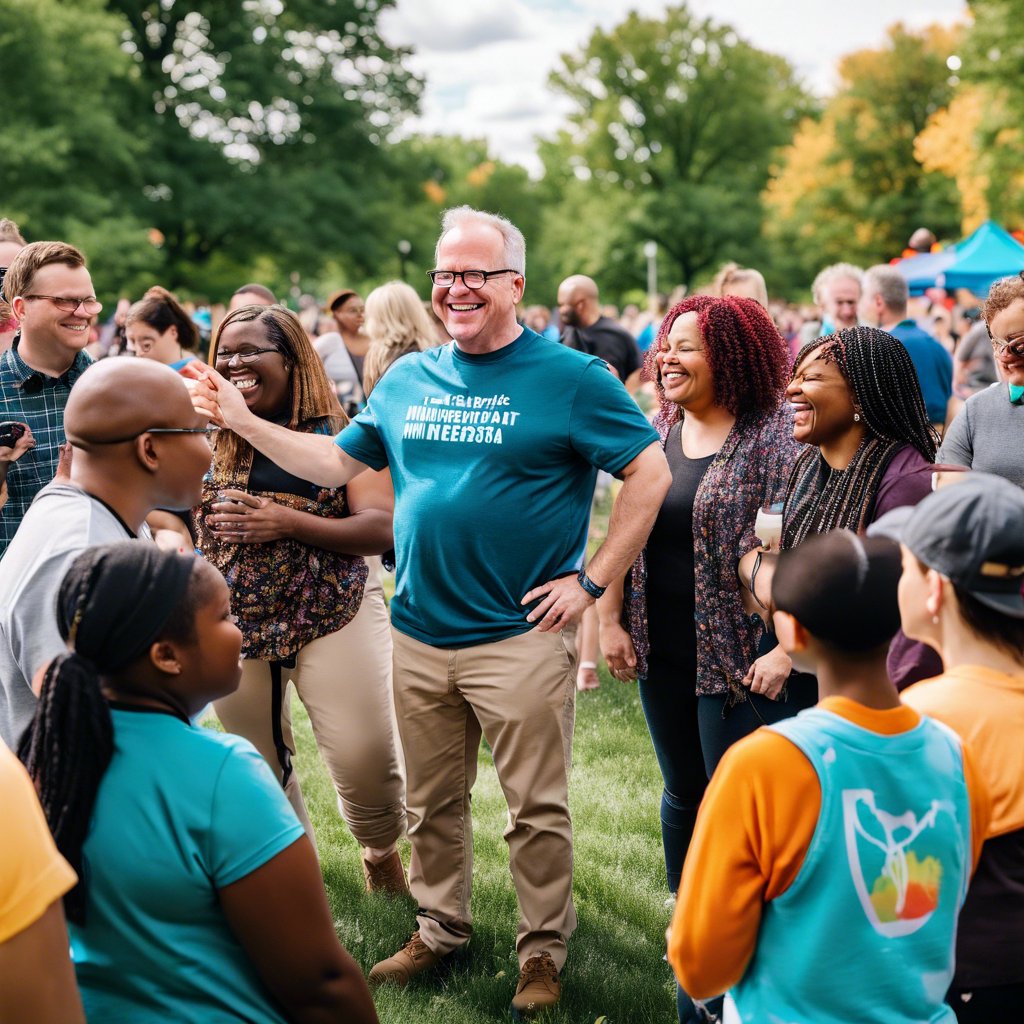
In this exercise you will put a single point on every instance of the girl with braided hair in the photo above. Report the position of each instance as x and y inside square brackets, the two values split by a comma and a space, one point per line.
[857, 405]
[200, 897]
[720, 367]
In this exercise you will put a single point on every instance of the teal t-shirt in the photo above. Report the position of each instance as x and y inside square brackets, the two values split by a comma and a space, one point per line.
[181, 812]
[494, 459]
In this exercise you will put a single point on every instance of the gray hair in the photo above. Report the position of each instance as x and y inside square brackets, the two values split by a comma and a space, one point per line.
[515, 244]
[834, 273]
[888, 282]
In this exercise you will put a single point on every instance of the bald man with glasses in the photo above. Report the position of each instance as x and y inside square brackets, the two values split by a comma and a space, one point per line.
[138, 446]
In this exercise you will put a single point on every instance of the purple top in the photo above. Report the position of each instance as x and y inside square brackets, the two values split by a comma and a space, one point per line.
[907, 479]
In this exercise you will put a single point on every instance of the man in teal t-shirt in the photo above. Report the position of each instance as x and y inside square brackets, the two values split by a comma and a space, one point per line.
[493, 442]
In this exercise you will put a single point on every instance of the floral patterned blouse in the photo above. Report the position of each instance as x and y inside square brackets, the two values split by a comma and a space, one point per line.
[750, 471]
[284, 593]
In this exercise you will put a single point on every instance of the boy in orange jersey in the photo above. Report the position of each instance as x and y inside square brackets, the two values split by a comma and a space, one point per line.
[832, 851]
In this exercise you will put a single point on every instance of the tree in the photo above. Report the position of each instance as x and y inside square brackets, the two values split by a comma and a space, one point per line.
[68, 156]
[264, 124]
[993, 62]
[682, 116]
[851, 187]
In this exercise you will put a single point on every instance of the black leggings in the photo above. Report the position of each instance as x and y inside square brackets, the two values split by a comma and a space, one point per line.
[720, 727]
[668, 697]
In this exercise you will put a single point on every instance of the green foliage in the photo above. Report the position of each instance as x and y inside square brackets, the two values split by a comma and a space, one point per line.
[265, 127]
[850, 186]
[993, 59]
[69, 158]
[681, 117]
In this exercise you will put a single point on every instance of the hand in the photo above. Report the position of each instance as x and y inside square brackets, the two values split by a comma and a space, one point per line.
[769, 673]
[65, 455]
[213, 395]
[564, 602]
[619, 653]
[243, 518]
[24, 444]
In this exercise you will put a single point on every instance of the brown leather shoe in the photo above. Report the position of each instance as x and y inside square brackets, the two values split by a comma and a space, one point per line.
[538, 987]
[411, 960]
[386, 876]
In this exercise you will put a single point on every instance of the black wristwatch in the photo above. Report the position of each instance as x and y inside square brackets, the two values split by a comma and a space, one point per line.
[589, 585]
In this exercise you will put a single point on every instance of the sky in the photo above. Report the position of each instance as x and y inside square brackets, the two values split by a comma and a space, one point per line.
[486, 62]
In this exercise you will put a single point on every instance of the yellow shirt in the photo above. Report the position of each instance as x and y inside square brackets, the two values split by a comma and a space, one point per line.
[33, 875]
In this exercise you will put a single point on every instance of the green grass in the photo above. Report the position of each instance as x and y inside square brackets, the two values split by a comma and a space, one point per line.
[615, 972]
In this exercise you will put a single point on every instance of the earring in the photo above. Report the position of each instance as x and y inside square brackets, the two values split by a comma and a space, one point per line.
[856, 417]
[935, 620]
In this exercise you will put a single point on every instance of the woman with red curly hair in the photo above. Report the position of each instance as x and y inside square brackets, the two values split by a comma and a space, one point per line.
[721, 368]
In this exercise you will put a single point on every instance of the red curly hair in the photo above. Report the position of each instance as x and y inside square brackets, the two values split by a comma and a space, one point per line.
[748, 358]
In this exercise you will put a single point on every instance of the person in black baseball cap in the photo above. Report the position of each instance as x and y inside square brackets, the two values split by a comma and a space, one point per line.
[963, 569]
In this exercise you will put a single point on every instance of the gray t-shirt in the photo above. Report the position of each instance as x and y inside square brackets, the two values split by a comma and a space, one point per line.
[988, 435]
[61, 523]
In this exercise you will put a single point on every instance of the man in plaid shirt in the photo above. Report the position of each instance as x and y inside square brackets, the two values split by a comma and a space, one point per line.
[50, 292]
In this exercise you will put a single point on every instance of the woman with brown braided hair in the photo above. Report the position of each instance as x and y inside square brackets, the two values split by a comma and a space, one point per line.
[311, 611]
[857, 405]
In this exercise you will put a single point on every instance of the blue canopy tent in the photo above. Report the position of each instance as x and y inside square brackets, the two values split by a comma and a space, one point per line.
[921, 271]
[989, 254]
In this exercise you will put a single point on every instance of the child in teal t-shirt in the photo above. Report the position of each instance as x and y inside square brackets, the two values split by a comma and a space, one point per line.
[200, 897]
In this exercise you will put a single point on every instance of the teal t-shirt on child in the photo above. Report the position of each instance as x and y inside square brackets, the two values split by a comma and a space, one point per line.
[494, 459]
[181, 813]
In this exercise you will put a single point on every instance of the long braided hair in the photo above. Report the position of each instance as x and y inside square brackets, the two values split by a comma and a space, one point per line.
[113, 603]
[313, 398]
[887, 394]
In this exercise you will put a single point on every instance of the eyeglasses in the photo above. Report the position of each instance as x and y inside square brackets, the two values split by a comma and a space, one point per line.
[66, 304]
[470, 278]
[208, 430]
[1015, 343]
[249, 356]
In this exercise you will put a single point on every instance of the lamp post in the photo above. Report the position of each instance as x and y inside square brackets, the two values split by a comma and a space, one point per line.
[404, 247]
[651, 252]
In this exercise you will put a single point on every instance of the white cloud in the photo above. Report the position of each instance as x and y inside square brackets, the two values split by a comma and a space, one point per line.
[487, 62]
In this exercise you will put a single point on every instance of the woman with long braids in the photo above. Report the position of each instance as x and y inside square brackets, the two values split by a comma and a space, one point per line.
[720, 368]
[857, 405]
[311, 610]
[157, 327]
[199, 898]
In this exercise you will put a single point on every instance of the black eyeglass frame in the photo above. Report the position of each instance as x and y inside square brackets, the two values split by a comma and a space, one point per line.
[207, 430]
[485, 274]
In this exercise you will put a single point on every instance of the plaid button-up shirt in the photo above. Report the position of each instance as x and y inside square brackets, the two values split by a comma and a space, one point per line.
[42, 408]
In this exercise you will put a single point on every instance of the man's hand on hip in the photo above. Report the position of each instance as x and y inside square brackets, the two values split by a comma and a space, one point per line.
[564, 601]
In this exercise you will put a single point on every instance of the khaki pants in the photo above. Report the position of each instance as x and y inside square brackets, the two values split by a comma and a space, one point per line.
[344, 681]
[520, 693]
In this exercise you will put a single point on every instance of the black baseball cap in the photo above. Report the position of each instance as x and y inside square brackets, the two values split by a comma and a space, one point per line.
[972, 532]
[841, 588]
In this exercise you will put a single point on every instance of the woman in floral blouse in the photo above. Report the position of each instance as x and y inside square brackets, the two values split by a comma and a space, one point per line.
[310, 610]
[721, 368]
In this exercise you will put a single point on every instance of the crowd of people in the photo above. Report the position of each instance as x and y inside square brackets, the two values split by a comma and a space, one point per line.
[813, 568]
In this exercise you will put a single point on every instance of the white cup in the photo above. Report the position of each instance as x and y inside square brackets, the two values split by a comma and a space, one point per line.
[768, 528]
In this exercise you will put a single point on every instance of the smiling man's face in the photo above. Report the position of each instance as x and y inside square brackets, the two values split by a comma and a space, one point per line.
[477, 318]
